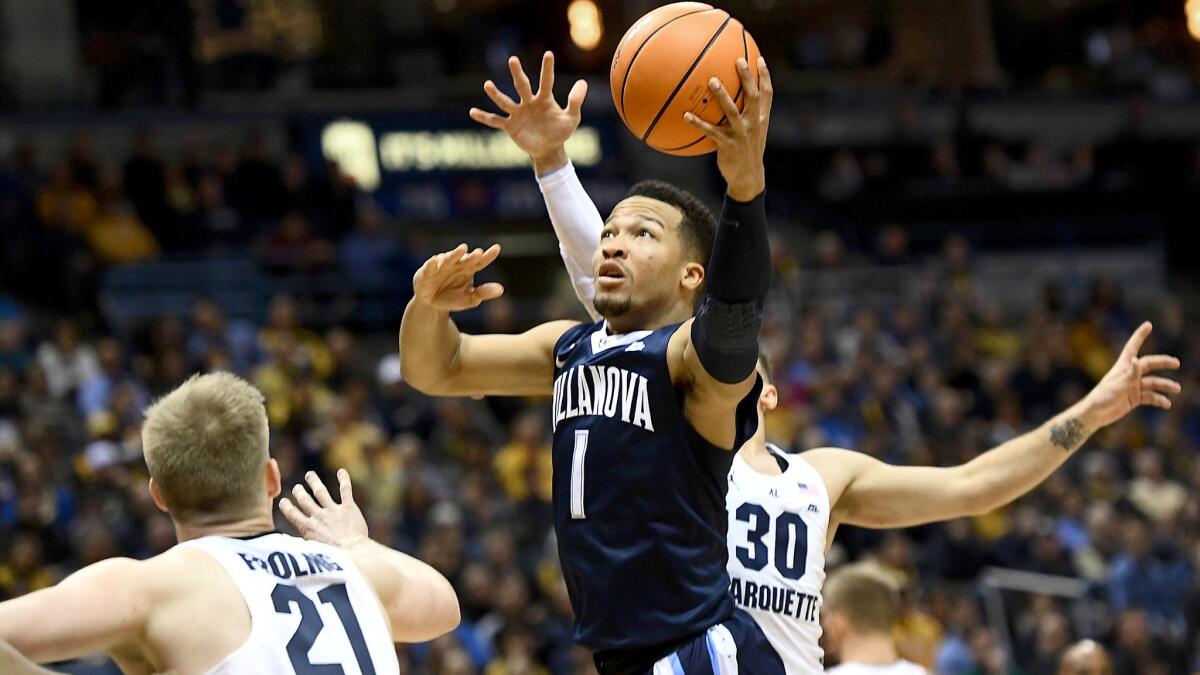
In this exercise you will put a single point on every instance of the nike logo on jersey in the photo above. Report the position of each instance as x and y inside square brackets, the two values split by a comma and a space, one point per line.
[559, 362]
[812, 508]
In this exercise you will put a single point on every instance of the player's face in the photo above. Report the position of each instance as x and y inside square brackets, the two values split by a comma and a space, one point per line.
[639, 266]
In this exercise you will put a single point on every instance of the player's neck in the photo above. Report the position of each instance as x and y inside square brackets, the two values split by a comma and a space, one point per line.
[876, 649]
[756, 455]
[630, 322]
[232, 527]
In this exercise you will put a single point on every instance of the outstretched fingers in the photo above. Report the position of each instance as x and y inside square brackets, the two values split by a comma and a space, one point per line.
[708, 129]
[1163, 385]
[1156, 400]
[293, 514]
[1135, 342]
[318, 489]
[483, 293]
[546, 81]
[728, 107]
[1157, 362]
[520, 79]
[488, 119]
[345, 490]
[303, 500]
[502, 100]
[575, 98]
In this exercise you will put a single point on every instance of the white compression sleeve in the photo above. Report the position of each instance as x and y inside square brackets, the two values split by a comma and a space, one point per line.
[577, 224]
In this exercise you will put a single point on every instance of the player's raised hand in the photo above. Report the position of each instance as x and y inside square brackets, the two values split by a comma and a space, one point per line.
[536, 123]
[447, 280]
[1131, 382]
[319, 518]
[741, 137]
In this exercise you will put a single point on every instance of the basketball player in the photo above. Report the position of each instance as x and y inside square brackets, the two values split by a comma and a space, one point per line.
[783, 510]
[1085, 657]
[861, 605]
[234, 596]
[648, 403]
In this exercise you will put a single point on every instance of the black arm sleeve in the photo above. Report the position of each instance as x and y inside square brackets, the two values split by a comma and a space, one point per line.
[725, 332]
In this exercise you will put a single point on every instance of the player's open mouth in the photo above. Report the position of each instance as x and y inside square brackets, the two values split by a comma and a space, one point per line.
[610, 273]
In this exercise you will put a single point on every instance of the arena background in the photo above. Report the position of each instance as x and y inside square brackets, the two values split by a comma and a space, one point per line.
[974, 202]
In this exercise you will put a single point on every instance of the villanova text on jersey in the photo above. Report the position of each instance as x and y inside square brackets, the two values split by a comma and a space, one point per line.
[639, 496]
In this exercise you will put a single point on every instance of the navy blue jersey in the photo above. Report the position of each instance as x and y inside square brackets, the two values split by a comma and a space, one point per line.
[639, 495]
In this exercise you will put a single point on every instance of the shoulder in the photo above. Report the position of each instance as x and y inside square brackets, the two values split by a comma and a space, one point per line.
[837, 467]
[176, 570]
[551, 333]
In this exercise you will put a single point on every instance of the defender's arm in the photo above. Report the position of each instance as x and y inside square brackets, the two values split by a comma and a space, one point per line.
[874, 494]
[99, 608]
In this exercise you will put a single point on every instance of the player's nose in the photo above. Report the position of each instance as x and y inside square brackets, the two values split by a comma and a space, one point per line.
[613, 247]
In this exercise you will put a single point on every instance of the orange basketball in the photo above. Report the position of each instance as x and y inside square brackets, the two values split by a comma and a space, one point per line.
[662, 67]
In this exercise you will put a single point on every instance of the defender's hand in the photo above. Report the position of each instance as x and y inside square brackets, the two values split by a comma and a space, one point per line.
[1129, 383]
[742, 138]
[537, 124]
[447, 280]
[325, 520]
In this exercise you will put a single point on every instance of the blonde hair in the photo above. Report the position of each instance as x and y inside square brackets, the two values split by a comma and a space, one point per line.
[206, 446]
[865, 595]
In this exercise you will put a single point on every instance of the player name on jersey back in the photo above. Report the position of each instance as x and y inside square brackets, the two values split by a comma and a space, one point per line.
[311, 609]
[286, 565]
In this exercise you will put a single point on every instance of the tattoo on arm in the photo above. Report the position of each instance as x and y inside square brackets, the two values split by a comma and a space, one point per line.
[1067, 435]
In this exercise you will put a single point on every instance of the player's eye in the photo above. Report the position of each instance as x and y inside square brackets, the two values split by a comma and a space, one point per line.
[607, 234]
[645, 233]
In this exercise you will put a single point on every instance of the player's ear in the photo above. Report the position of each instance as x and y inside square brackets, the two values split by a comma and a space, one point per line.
[273, 479]
[693, 276]
[157, 497]
[770, 397]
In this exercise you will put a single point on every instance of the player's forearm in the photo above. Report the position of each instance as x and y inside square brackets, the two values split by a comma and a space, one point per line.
[725, 332]
[1008, 471]
[425, 605]
[429, 343]
[577, 224]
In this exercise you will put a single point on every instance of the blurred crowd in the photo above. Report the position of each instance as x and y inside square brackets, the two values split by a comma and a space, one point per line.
[464, 484]
[68, 218]
[176, 53]
[933, 377]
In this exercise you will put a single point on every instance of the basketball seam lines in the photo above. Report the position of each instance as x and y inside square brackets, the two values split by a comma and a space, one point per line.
[685, 77]
[629, 66]
[745, 55]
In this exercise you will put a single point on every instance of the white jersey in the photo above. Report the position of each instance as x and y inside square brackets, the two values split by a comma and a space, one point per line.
[777, 527]
[311, 610]
[900, 667]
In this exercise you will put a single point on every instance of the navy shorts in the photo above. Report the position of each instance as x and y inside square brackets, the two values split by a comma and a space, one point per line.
[736, 646]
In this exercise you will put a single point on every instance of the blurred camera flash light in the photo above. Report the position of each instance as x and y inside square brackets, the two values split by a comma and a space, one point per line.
[586, 26]
[352, 145]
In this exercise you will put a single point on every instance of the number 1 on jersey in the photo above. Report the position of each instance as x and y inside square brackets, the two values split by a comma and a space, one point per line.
[577, 457]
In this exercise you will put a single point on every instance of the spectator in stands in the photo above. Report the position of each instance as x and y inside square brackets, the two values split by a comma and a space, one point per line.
[212, 330]
[293, 247]
[1145, 580]
[65, 203]
[1156, 496]
[64, 361]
